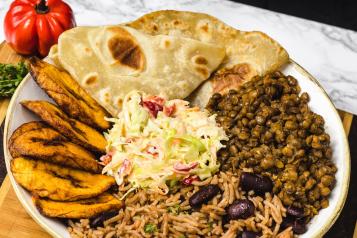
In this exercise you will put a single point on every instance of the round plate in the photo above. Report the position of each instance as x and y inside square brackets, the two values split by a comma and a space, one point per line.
[319, 103]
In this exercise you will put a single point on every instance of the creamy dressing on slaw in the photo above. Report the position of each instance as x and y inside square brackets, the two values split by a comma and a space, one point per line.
[155, 140]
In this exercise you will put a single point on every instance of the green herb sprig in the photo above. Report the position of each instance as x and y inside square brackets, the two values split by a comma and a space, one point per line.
[150, 228]
[10, 77]
[175, 209]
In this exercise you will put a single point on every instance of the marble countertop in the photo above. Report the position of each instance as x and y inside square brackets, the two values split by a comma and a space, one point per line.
[329, 53]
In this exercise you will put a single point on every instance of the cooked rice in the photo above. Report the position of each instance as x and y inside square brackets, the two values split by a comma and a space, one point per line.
[174, 217]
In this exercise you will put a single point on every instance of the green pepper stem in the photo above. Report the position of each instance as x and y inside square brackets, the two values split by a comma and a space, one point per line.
[42, 7]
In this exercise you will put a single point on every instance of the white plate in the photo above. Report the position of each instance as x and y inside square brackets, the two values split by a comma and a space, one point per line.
[320, 103]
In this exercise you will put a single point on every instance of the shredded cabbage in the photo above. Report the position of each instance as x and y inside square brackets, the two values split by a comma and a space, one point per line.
[154, 140]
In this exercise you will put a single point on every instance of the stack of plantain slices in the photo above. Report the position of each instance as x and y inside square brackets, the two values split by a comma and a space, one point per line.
[55, 159]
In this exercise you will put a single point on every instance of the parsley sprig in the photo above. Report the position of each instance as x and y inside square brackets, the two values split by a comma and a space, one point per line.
[10, 77]
[150, 228]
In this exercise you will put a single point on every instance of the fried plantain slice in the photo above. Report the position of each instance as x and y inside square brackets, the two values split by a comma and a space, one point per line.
[29, 126]
[68, 94]
[49, 145]
[77, 131]
[56, 182]
[86, 208]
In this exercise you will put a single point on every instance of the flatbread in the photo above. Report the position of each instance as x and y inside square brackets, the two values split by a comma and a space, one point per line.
[111, 61]
[247, 53]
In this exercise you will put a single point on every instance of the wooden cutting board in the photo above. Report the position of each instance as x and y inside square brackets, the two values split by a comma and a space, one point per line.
[14, 221]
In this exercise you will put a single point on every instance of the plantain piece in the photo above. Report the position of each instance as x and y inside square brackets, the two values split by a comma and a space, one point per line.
[77, 131]
[29, 126]
[56, 182]
[68, 94]
[86, 208]
[47, 144]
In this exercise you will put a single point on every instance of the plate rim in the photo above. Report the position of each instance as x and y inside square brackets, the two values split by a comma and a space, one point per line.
[9, 111]
[347, 158]
[327, 225]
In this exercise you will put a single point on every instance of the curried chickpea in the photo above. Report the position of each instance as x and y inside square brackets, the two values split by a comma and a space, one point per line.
[289, 187]
[287, 151]
[305, 98]
[243, 135]
[324, 203]
[300, 153]
[325, 191]
[310, 183]
[290, 125]
[273, 132]
[267, 163]
[233, 149]
[260, 120]
[327, 180]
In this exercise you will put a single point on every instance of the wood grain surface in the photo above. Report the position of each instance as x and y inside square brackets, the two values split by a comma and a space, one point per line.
[14, 221]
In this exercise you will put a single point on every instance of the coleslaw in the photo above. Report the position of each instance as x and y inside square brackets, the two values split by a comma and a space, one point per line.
[154, 141]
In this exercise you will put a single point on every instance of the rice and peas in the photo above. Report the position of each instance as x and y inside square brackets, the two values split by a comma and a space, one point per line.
[149, 214]
[158, 196]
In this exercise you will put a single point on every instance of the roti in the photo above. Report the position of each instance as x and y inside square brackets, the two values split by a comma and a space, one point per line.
[111, 61]
[247, 53]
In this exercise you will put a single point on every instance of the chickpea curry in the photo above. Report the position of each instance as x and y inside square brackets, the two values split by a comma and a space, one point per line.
[273, 133]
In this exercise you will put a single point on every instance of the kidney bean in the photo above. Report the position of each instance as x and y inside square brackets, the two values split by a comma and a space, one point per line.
[295, 211]
[203, 195]
[259, 184]
[241, 209]
[298, 225]
[98, 221]
[248, 234]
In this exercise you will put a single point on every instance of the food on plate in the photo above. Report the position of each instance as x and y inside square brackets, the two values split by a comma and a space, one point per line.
[57, 172]
[37, 140]
[273, 132]
[56, 182]
[85, 208]
[204, 195]
[162, 154]
[33, 26]
[29, 126]
[148, 214]
[111, 61]
[10, 77]
[77, 131]
[268, 124]
[68, 94]
[155, 142]
[99, 219]
[247, 53]
[256, 162]
[260, 184]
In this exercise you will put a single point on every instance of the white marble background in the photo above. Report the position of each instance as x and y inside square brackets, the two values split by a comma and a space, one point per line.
[329, 53]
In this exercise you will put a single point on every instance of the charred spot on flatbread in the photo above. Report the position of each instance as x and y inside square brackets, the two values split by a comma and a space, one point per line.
[202, 71]
[91, 79]
[198, 59]
[125, 49]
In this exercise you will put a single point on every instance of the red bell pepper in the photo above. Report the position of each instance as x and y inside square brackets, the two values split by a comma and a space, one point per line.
[33, 26]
